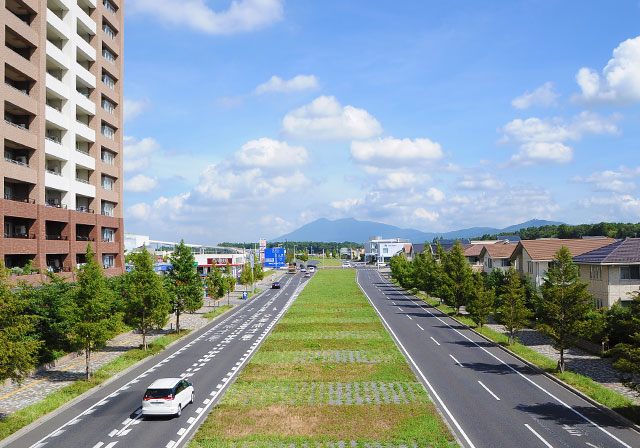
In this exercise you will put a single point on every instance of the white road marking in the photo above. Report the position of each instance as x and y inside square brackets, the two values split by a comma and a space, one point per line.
[409, 317]
[111, 445]
[74, 421]
[437, 343]
[206, 401]
[98, 445]
[113, 433]
[125, 432]
[127, 421]
[456, 361]
[487, 389]
[191, 420]
[182, 431]
[547, 444]
[39, 445]
[420, 327]
[170, 444]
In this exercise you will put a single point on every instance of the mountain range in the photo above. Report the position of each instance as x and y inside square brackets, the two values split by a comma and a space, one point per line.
[350, 229]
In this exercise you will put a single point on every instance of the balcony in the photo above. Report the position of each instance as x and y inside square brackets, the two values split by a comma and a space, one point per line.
[57, 55]
[58, 25]
[57, 87]
[56, 181]
[86, 50]
[53, 146]
[87, 78]
[85, 21]
[85, 132]
[24, 199]
[84, 103]
[56, 117]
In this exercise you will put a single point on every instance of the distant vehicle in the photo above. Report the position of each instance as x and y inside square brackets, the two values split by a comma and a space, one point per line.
[307, 274]
[275, 285]
[167, 396]
[346, 265]
[312, 269]
[292, 269]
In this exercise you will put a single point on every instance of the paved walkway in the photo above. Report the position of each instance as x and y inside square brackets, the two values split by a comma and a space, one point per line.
[35, 387]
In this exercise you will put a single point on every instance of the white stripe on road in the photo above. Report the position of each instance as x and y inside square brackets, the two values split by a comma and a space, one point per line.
[547, 444]
[437, 343]
[111, 445]
[487, 389]
[98, 445]
[456, 361]
[409, 317]
[420, 327]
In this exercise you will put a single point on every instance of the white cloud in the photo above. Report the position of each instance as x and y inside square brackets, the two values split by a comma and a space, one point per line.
[397, 180]
[295, 84]
[241, 15]
[137, 153]
[268, 153]
[480, 181]
[139, 211]
[424, 214]
[141, 184]
[619, 83]
[397, 152]
[543, 140]
[134, 108]
[542, 96]
[435, 195]
[326, 119]
[347, 204]
[620, 181]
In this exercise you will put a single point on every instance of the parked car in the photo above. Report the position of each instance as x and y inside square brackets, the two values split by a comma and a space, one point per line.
[167, 396]
[275, 285]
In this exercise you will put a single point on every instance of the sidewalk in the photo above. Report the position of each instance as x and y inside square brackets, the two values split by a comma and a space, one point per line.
[72, 367]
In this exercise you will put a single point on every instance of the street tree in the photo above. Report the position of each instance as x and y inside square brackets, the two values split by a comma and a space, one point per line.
[93, 322]
[215, 284]
[627, 353]
[458, 278]
[183, 283]
[18, 349]
[565, 303]
[229, 286]
[512, 311]
[246, 275]
[258, 270]
[482, 301]
[148, 303]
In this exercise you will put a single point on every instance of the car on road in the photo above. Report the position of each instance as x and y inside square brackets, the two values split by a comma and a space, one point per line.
[275, 285]
[312, 269]
[346, 265]
[307, 274]
[167, 396]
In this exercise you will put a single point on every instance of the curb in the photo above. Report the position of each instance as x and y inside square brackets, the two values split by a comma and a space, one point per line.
[19, 433]
[610, 412]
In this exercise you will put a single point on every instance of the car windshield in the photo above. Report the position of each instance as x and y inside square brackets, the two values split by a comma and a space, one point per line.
[157, 393]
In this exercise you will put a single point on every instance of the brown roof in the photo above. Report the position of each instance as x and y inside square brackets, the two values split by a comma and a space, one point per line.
[407, 248]
[546, 249]
[473, 250]
[500, 250]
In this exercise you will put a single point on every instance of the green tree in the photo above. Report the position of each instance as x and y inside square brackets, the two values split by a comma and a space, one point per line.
[289, 257]
[458, 278]
[183, 283]
[215, 283]
[148, 302]
[565, 303]
[627, 353]
[304, 256]
[258, 269]
[93, 323]
[246, 275]
[18, 350]
[229, 286]
[482, 301]
[512, 311]
[400, 270]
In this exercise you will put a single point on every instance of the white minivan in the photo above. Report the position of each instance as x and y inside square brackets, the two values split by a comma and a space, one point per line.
[167, 396]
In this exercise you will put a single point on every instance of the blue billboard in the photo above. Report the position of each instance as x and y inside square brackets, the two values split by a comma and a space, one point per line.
[274, 257]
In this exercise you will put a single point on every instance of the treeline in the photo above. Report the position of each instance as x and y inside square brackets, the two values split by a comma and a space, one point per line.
[314, 247]
[563, 309]
[608, 229]
[41, 323]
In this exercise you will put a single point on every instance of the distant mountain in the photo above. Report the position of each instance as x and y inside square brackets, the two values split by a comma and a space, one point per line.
[350, 229]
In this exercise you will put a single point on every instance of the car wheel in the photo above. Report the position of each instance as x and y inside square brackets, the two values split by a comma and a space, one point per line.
[192, 397]
[179, 413]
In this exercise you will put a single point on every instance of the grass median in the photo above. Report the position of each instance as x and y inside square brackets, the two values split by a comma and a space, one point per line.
[328, 373]
[603, 395]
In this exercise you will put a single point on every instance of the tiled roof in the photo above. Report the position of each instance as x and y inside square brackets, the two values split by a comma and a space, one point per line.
[473, 250]
[407, 248]
[500, 250]
[623, 251]
[418, 248]
[546, 249]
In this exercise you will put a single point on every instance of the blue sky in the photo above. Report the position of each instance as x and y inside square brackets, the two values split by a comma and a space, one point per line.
[249, 118]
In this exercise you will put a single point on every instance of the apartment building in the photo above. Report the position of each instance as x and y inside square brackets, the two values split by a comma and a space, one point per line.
[62, 133]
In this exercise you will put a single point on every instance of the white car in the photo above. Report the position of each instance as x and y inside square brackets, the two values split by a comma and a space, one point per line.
[312, 269]
[167, 396]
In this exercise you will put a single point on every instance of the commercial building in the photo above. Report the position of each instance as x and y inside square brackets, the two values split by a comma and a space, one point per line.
[61, 136]
[381, 250]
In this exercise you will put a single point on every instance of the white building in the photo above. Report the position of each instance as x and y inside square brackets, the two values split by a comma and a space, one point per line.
[381, 250]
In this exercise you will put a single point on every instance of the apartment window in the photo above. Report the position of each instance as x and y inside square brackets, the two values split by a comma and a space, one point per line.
[530, 267]
[108, 235]
[108, 131]
[108, 261]
[108, 81]
[108, 208]
[109, 6]
[108, 31]
[107, 182]
[595, 272]
[630, 272]
[108, 55]
[108, 157]
[108, 106]
[490, 263]
[505, 263]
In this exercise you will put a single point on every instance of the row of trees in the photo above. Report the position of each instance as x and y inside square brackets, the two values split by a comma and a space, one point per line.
[610, 229]
[563, 309]
[40, 323]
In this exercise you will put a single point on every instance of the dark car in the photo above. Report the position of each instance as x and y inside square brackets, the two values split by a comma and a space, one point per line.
[275, 285]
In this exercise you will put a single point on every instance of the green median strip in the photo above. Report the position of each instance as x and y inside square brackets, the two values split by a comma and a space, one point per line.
[217, 311]
[329, 373]
[54, 400]
[603, 395]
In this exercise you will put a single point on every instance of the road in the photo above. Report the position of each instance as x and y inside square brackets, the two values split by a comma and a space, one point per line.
[488, 397]
[211, 358]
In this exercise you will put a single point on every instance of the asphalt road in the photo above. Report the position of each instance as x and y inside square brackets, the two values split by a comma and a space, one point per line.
[211, 358]
[488, 397]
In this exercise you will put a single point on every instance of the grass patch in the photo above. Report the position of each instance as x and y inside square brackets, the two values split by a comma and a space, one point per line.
[54, 400]
[217, 311]
[328, 372]
[327, 261]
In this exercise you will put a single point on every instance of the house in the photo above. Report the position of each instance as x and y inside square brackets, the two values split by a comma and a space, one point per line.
[612, 271]
[472, 254]
[532, 257]
[496, 256]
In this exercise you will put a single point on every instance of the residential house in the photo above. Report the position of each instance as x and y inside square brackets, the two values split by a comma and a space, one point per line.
[496, 256]
[532, 257]
[612, 272]
[472, 254]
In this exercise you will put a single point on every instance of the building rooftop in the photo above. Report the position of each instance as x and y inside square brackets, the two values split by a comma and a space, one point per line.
[545, 249]
[500, 250]
[623, 251]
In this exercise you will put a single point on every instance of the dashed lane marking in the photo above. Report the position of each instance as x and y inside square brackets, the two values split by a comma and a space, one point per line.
[488, 390]
[437, 343]
[547, 444]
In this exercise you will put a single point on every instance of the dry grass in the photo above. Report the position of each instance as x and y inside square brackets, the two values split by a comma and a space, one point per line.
[320, 372]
